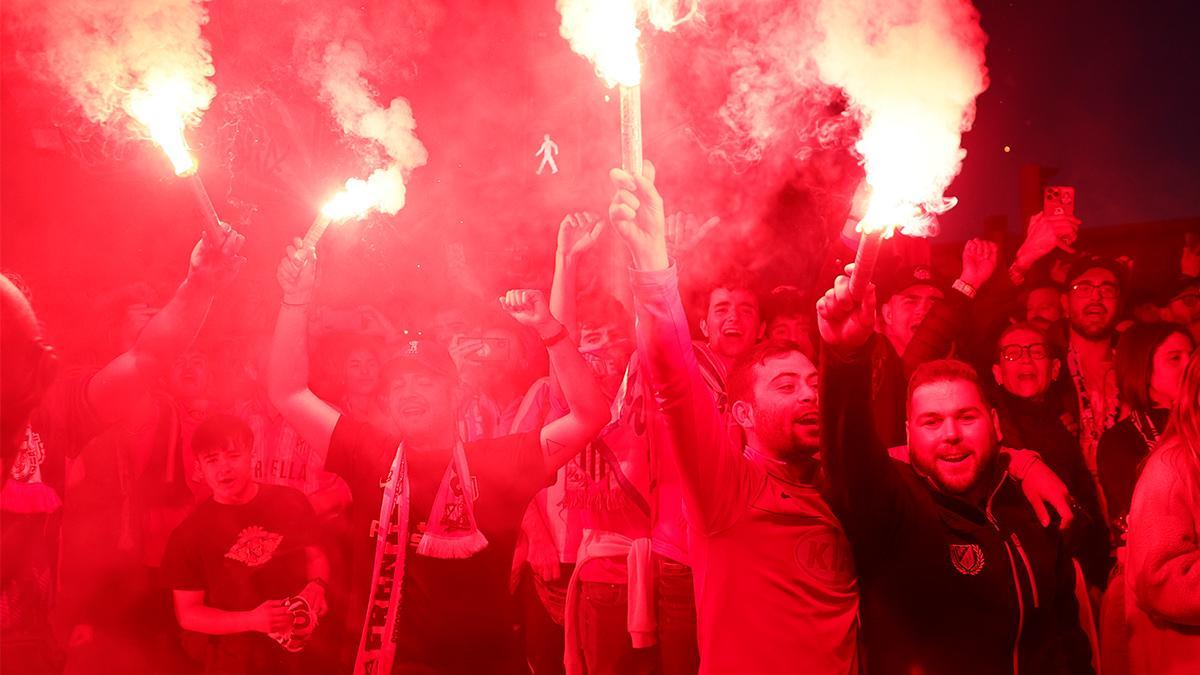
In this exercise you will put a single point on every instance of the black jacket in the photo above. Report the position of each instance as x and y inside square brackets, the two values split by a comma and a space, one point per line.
[946, 587]
[1039, 426]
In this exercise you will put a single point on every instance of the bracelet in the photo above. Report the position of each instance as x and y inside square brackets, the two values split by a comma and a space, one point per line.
[285, 303]
[556, 338]
[965, 288]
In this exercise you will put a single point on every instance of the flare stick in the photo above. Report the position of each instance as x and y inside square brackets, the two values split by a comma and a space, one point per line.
[316, 231]
[631, 129]
[864, 262]
[212, 224]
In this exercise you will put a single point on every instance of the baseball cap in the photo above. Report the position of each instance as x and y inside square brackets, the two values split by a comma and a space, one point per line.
[418, 355]
[907, 276]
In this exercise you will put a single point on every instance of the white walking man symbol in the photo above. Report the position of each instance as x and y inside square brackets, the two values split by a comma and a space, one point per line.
[547, 151]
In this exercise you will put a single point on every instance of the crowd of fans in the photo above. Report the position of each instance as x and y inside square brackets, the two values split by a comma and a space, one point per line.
[997, 473]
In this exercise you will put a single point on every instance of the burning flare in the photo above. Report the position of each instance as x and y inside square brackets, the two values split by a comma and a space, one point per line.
[141, 66]
[912, 70]
[382, 191]
[165, 108]
[605, 32]
[390, 133]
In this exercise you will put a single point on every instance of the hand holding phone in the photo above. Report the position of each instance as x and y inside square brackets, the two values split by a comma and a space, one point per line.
[1058, 200]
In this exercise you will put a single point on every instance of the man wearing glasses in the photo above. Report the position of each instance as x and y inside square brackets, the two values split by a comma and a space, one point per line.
[1024, 368]
[1091, 303]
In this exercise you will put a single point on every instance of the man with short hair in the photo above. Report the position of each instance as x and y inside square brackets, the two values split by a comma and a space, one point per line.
[732, 322]
[787, 315]
[1091, 304]
[956, 573]
[775, 590]
[434, 521]
[1043, 306]
[244, 566]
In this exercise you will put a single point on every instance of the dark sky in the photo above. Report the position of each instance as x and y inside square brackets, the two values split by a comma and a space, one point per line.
[1108, 93]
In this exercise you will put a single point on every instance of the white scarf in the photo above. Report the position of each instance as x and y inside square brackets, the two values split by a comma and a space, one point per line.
[451, 533]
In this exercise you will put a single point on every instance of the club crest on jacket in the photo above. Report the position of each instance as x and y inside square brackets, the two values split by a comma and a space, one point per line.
[967, 558]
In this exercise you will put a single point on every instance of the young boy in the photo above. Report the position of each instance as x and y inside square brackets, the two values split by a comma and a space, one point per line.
[244, 566]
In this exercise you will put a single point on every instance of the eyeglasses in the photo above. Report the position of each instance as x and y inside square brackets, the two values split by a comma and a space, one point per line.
[1037, 352]
[1108, 291]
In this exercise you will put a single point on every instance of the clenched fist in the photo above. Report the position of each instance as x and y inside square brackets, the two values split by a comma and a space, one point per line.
[529, 308]
[297, 273]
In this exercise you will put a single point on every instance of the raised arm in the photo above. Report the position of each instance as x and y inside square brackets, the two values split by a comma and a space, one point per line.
[949, 318]
[862, 481]
[576, 234]
[287, 371]
[170, 332]
[588, 406]
[710, 464]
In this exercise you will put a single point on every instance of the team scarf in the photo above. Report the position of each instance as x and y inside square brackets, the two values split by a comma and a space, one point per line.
[451, 533]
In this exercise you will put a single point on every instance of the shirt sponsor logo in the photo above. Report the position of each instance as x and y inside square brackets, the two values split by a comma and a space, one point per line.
[967, 558]
[254, 546]
[824, 555]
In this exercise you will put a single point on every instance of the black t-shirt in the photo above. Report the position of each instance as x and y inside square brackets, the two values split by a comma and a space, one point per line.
[241, 556]
[456, 614]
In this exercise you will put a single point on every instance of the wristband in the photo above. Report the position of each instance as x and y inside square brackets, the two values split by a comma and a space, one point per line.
[965, 288]
[556, 338]
[285, 303]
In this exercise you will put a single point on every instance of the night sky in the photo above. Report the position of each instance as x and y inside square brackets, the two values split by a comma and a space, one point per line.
[1108, 93]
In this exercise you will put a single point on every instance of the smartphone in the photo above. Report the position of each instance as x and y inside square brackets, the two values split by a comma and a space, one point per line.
[493, 349]
[1058, 200]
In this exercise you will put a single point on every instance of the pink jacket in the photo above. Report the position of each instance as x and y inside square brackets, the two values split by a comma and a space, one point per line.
[1163, 569]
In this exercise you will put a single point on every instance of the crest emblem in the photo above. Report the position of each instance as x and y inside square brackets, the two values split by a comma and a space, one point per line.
[254, 547]
[967, 558]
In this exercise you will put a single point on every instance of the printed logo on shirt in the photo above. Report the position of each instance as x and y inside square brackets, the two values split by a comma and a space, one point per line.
[254, 546]
[967, 558]
[824, 554]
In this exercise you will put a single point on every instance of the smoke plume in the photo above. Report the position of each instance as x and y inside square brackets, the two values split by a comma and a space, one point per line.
[912, 70]
[390, 131]
[100, 52]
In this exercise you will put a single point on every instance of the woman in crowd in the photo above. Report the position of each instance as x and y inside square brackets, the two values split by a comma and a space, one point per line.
[1163, 571]
[1150, 362]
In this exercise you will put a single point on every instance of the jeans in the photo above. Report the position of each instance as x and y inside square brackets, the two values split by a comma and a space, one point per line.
[542, 633]
[604, 634]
